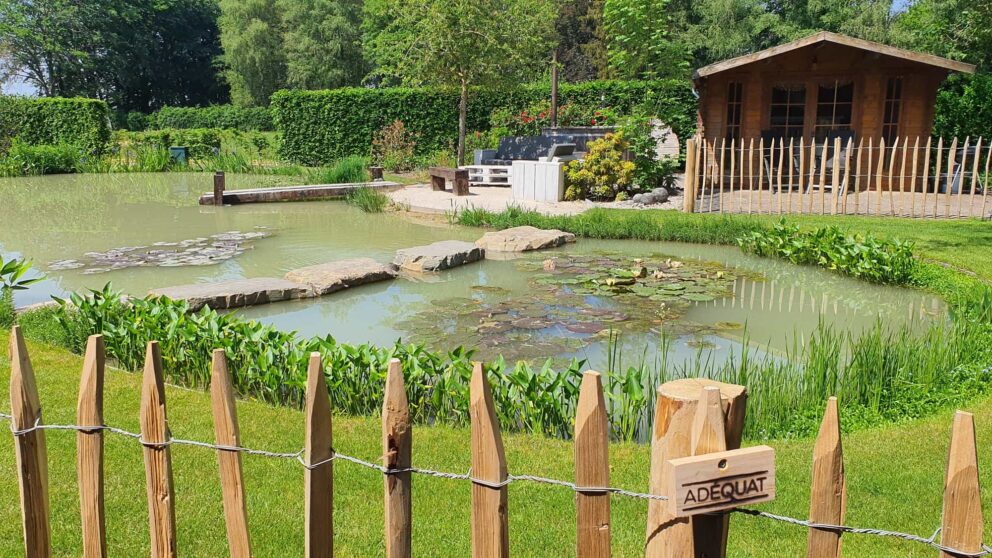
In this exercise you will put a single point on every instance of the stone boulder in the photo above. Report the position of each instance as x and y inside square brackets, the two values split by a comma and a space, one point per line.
[235, 294]
[334, 276]
[438, 256]
[523, 239]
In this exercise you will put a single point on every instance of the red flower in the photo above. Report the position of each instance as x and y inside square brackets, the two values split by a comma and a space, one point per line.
[542, 115]
[598, 113]
[593, 121]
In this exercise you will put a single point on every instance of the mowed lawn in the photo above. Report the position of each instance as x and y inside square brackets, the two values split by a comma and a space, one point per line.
[895, 477]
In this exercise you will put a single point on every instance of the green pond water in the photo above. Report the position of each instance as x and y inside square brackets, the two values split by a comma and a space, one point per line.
[143, 231]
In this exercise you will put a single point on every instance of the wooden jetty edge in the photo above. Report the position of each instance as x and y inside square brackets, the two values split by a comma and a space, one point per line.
[295, 193]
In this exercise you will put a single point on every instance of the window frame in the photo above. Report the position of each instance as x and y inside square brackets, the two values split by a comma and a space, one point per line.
[734, 127]
[891, 123]
[833, 103]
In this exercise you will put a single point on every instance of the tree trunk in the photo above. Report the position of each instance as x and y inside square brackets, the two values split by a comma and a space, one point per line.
[462, 122]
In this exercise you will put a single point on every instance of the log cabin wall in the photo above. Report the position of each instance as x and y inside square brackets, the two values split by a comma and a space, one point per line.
[809, 68]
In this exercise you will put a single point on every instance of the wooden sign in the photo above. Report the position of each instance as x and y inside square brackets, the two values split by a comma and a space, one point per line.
[720, 481]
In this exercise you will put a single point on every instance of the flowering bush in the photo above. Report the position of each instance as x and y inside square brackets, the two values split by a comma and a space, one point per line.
[603, 174]
[529, 121]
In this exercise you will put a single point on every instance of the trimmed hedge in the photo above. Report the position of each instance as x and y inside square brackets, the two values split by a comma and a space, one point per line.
[201, 141]
[322, 126]
[228, 117]
[84, 123]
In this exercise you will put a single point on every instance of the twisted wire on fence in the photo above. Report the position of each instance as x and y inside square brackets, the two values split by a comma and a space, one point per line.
[298, 456]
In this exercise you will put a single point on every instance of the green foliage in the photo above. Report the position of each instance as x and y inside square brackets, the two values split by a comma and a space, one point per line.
[603, 173]
[12, 279]
[137, 121]
[649, 171]
[135, 54]
[348, 170]
[639, 40]
[963, 107]
[25, 160]
[394, 146]
[228, 117]
[319, 127]
[7, 314]
[84, 123]
[861, 256]
[368, 199]
[202, 142]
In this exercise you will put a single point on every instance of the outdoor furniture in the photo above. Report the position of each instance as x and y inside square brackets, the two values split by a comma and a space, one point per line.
[488, 175]
[517, 148]
[960, 177]
[538, 181]
[560, 152]
[459, 178]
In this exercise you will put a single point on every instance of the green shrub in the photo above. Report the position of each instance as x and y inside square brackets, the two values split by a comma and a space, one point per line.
[217, 116]
[321, 126]
[603, 173]
[368, 199]
[394, 146]
[137, 121]
[649, 171]
[23, 159]
[84, 123]
[861, 256]
[348, 170]
[202, 142]
[963, 107]
[536, 116]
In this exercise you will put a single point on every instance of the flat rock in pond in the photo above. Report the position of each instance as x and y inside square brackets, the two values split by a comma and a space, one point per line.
[234, 294]
[438, 256]
[523, 239]
[334, 276]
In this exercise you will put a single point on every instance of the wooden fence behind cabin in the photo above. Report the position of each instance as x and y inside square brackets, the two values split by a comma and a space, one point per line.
[906, 177]
[692, 417]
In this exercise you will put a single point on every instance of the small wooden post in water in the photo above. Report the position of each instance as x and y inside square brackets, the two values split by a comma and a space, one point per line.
[490, 520]
[592, 470]
[158, 457]
[319, 476]
[963, 526]
[29, 449]
[397, 447]
[228, 434]
[828, 498]
[219, 186]
[89, 443]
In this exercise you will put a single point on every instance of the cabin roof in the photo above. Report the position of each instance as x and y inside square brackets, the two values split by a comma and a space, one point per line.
[828, 37]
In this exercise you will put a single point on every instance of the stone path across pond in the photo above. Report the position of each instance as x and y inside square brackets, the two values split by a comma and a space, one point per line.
[322, 279]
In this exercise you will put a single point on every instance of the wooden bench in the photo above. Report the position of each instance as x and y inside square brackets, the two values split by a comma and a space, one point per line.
[458, 176]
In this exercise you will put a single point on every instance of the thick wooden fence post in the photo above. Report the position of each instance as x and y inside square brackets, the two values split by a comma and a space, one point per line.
[592, 470]
[675, 412]
[490, 520]
[158, 457]
[227, 433]
[689, 186]
[828, 497]
[89, 443]
[397, 447]
[29, 449]
[709, 435]
[962, 528]
[319, 475]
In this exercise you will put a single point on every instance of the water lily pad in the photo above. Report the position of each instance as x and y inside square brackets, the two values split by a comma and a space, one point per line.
[698, 297]
[585, 327]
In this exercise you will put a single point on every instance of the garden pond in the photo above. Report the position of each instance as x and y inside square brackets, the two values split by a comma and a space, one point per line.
[592, 300]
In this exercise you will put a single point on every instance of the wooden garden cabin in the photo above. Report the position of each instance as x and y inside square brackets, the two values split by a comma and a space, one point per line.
[822, 86]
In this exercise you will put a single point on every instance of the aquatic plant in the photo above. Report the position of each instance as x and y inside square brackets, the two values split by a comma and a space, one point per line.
[348, 170]
[367, 199]
[12, 279]
[880, 375]
[861, 256]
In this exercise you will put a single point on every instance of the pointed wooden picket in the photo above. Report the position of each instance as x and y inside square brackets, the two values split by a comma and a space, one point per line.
[963, 526]
[29, 450]
[828, 496]
[709, 532]
[592, 470]
[490, 520]
[318, 453]
[158, 456]
[89, 454]
[228, 434]
[397, 447]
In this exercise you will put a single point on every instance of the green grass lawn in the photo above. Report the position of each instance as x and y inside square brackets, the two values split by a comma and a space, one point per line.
[895, 481]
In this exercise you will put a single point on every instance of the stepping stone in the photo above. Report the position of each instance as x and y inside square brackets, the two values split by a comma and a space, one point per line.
[235, 294]
[334, 276]
[523, 239]
[438, 256]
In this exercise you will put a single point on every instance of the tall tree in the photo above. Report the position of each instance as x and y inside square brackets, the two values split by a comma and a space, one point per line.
[640, 40]
[713, 30]
[323, 43]
[460, 43]
[254, 60]
[959, 29]
[135, 54]
[581, 43]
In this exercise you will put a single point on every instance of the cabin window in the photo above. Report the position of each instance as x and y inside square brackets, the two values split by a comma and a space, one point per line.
[834, 108]
[788, 110]
[735, 104]
[893, 106]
